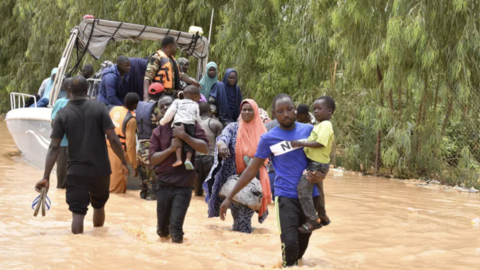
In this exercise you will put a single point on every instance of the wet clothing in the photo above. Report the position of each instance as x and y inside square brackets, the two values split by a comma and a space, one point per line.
[166, 174]
[206, 82]
[118, 181]
[221, 170]
[203, 165]
[305, 189]
[138, 66]
[172, 206]
[62, 167]
[84, 122]
[289, 167]
[227, 99]
[289, 218]
[113, 87]
[83, 190]
[174, 184]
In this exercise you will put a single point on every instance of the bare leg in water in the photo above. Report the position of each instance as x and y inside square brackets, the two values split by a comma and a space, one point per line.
[98, 220]
[77, 223]
[98, 217]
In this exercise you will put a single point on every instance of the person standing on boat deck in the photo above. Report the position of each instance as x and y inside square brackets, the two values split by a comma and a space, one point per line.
[174, 183]
[289, 166]
[163, 68]
[123, 118]
[85, 122]
[138, 66]
[148, 118]
[45, 90]
[62, 161]
[204, 162]
[87, 71]
[209, 80]
[186, 80]
[226, 96]
[115, 83]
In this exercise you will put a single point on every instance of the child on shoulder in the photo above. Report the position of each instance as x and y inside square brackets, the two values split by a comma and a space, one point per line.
[317, 148]
[184, 111]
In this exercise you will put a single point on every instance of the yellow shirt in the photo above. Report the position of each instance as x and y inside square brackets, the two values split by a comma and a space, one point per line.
[323, 134]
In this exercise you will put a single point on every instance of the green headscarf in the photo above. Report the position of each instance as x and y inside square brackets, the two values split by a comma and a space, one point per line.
[206, 82]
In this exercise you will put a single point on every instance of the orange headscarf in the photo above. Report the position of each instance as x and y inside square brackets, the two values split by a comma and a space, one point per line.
[248, 136]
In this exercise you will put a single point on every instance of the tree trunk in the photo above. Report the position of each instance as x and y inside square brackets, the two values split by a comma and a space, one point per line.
[447, 116]
[378, 152]
[378, 146]
[399, 107]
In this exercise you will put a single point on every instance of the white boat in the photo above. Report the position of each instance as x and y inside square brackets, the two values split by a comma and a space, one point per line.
[31, 127]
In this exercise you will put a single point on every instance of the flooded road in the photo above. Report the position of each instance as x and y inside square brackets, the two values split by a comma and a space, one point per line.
[376, 224]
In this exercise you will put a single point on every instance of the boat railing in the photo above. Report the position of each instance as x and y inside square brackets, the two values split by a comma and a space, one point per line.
[17, 100]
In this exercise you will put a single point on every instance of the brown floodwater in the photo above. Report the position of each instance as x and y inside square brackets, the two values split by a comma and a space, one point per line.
[376, 224]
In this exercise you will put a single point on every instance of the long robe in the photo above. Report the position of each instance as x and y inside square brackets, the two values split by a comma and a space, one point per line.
[118, 181]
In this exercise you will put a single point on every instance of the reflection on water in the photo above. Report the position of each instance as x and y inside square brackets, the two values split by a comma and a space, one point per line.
[376, 224]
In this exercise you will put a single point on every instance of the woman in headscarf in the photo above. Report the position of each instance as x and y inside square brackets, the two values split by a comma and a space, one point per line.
[236, 146]
[209, 79]
[46, 89]
[227, 97]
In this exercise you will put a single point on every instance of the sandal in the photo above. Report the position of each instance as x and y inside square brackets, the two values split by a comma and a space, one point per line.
[310, 226]
[189, 166]
[42, 200]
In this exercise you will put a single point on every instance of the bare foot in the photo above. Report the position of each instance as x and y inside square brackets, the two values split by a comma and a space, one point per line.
[177, 163]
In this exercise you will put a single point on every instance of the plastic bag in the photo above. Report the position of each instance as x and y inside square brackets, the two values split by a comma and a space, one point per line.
[250, 196]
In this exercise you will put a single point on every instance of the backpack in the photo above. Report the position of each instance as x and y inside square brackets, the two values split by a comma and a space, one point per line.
[144, 120]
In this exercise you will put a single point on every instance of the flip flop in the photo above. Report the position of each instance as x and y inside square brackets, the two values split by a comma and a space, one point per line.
[189, 166]
[41, 201]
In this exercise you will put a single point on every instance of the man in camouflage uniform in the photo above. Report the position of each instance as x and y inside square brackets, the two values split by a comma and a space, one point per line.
[163, 68]
[147, 174]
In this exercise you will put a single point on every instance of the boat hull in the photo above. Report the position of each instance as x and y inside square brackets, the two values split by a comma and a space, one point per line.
[30, 129]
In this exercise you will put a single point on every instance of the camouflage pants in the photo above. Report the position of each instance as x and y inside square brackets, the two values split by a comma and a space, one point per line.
[148, 184]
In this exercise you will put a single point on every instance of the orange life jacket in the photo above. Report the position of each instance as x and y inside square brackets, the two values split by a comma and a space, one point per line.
[165, 72]
[120, 117]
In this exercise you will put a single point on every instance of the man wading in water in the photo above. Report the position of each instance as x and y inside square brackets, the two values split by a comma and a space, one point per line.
[85, 123]
[289, 165]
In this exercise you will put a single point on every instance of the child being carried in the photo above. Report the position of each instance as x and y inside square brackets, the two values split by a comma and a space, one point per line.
[184, 111]
[317, 148]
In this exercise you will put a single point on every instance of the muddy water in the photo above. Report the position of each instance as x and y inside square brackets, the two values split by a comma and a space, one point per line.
[376, 224]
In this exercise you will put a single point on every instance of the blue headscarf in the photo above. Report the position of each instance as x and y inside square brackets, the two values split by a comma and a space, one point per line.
[206, 82]
[227, 98]
[49, 85]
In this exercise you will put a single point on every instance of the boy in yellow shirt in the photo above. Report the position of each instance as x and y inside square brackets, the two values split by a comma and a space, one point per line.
[317, 148]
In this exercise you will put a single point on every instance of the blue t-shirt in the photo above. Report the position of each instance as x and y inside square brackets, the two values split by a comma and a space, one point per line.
[60, 103]
[288, 166]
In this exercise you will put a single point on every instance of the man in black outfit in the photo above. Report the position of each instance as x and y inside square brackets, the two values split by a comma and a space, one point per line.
[85, 123]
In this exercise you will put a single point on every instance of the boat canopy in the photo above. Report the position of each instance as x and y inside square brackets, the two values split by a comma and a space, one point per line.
[94, 35]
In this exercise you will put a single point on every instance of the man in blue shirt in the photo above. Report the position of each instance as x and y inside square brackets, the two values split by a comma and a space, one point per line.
[289, 164]
[115, 83]
[62, 160]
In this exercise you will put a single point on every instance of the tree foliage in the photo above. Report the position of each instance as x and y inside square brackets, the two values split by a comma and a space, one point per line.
[405, 73]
